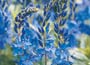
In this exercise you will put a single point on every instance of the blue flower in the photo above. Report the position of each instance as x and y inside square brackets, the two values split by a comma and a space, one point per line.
[1, 45]
[56, 27]
[82, 15]
[45, 2]
[84, 28]
[5, 22]
[65, 63]
[29, 46]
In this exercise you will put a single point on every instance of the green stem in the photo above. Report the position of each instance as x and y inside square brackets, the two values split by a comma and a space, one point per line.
[45, 59]
[44, 48]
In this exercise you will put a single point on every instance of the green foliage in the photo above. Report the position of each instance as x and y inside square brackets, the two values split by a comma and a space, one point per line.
[86, 50]
[5, 60]
[6, 57]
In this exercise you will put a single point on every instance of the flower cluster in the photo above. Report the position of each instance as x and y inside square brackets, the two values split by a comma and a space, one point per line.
[32, 46]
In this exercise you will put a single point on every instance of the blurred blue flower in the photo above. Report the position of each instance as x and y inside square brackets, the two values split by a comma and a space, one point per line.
[84, 28]
[82, 15]
[5, 22]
